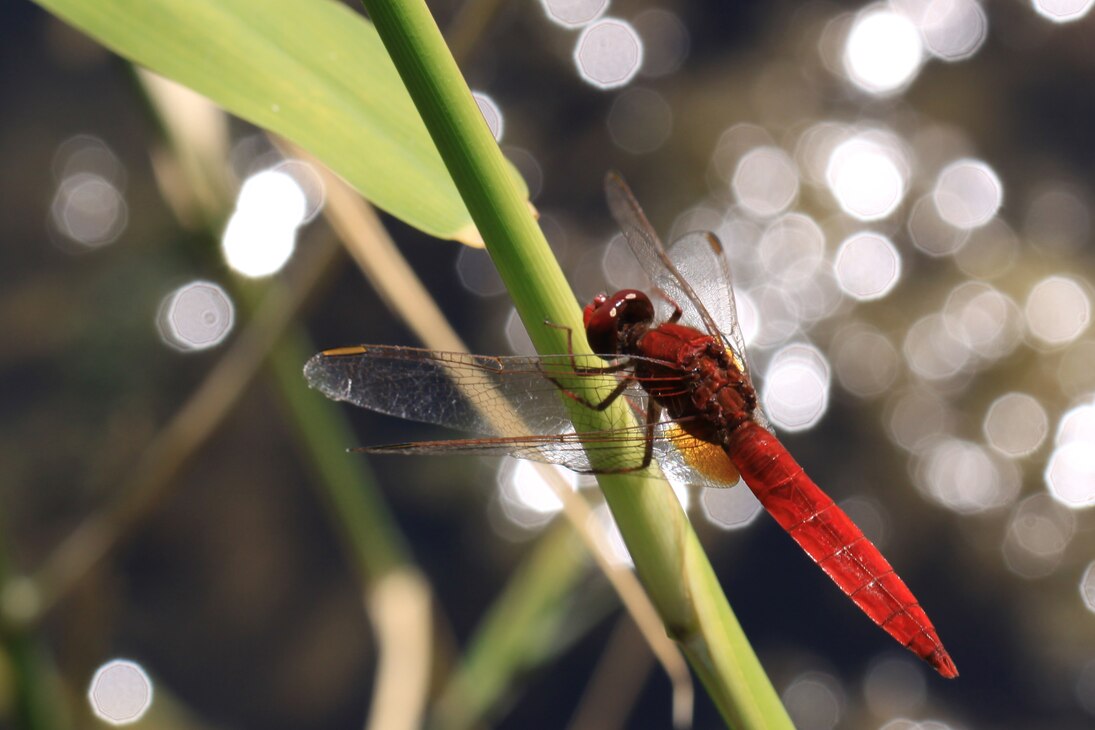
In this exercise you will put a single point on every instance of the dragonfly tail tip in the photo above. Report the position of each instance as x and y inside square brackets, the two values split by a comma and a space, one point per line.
[943, 664]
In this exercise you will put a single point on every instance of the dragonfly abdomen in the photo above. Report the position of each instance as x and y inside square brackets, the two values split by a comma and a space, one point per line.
[834, 542]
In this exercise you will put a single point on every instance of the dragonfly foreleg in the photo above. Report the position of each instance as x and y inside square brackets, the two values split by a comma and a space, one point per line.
[600, 405]
[585, 369]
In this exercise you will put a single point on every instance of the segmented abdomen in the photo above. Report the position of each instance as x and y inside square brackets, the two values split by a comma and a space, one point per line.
[834, 542]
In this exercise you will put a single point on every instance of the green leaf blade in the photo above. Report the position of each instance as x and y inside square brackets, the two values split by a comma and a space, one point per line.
[294, 68]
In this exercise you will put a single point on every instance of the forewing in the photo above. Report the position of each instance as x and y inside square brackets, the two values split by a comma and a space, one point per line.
[694, 273]
[650, 252]
[496, 396]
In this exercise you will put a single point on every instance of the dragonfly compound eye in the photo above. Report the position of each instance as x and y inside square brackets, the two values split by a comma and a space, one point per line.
[592, 307]
[632, 307]
[606, 317]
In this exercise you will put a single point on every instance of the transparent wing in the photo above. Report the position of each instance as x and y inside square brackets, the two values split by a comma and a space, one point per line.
[496, 396]
[499, 397]
[694, 273]
[681, 457]
[699, 257]
[650, 252]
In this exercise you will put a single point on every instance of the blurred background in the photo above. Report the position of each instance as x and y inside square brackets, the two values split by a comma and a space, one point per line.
[905, 192]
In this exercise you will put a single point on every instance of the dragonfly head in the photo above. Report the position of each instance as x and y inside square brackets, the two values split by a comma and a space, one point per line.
[609, 318]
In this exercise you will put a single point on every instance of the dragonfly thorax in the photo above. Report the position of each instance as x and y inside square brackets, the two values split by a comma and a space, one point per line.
[611, 321]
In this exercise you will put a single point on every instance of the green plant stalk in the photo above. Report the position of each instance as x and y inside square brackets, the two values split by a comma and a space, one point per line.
[522, 627]
[666, 551]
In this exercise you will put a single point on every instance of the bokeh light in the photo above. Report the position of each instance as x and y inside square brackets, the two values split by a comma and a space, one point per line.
[987, 322]
[619, 266]
[88, 154]
[640, 121]
[477, 272]
[765, 182]
[1077, 425]
[1070, 474]
[524, 495]
[748, 316]
[1087, 587]
[665, 41]
[604, 523]
[867, 177]
[953, 30]
[89, 210]
[776, 315]
[796, 387]
[815, 701]
[609, 53]
[1038, 533]
[990, 250]
[917, 417]
[867, 266]
[933, 351]
[732, 145]
[1058, 310]
[196, 316]
[791, 249]
[255, 246]
[866, 362]
[273, 194]
[816, 297]
[965, 477]
[967, 193]
[930, 233]
[120, 692]
[1016, 424]
[1085, 687]
[261, 235]
[1062, 11]
[491, 112]
[903, 723]
[730, 509]
[815, 147]
[308, 183]
[574, 13]
[893, 686]
[529, 167]
[517, 336]
[1057, 220]
[884, 51]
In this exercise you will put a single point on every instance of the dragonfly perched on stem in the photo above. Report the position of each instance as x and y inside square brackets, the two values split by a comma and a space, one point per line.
[678, 358]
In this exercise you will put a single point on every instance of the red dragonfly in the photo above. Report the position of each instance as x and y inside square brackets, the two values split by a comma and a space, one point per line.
[684, 373]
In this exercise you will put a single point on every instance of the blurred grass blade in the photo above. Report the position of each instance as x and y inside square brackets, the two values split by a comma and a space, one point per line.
[521, 630]
[295, 68]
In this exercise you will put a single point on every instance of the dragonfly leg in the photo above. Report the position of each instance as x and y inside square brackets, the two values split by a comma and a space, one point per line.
[585, 369]
[604, 403]
[653, 413]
